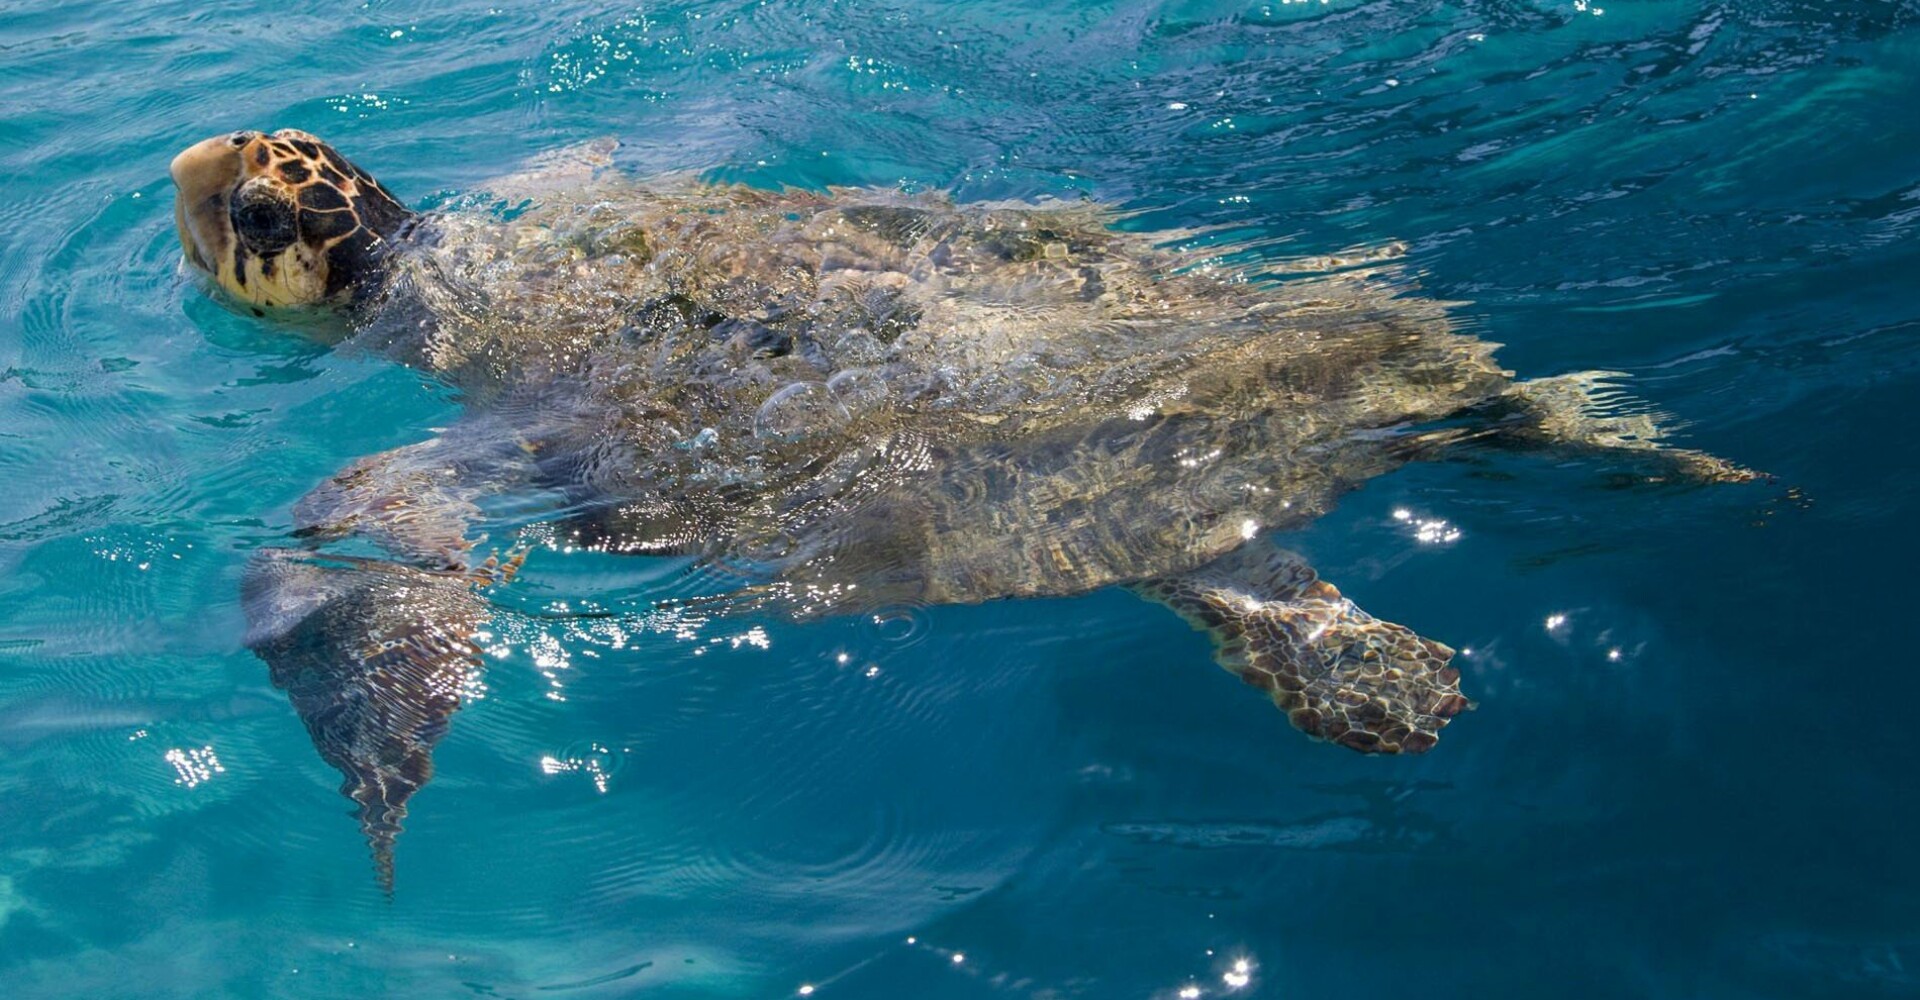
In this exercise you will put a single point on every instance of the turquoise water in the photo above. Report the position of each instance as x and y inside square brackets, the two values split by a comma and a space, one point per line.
[1690, 771]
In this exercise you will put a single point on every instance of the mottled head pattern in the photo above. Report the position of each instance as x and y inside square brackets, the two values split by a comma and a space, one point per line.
[281, 219]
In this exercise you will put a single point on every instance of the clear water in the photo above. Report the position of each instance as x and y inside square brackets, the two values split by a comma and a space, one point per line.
[1697, 782]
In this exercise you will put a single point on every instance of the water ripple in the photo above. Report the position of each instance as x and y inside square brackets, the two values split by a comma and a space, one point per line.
[1717, 197]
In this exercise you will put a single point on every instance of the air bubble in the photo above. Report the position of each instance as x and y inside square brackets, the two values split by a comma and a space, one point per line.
[596, 761]
[765, 547]
[799, 411]
[897, 624]
[860, 390]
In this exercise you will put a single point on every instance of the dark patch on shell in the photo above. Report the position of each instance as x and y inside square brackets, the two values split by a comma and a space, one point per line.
[758, 339]
[898, 225]
[881, 310]
[675, 311]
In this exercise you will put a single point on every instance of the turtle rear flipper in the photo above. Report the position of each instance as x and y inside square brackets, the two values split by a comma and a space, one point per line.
[1339, 673]
[1584, 412]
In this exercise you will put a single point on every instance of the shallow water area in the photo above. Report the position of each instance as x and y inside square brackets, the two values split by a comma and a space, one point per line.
[1686, 773]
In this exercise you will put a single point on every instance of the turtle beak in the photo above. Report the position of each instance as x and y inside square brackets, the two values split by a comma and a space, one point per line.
[204, 174]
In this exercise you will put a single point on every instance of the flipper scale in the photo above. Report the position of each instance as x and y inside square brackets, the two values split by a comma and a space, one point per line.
[1339, 673]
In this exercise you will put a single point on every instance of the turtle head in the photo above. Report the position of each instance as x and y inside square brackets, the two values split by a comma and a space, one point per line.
[282, 219]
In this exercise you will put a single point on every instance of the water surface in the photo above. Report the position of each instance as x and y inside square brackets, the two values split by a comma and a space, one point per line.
[1689, 772]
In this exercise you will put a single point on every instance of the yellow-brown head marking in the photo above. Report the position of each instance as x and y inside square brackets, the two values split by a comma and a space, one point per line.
[281, 219]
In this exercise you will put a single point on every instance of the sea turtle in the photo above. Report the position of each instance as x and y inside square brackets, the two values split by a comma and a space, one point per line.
[847, 400]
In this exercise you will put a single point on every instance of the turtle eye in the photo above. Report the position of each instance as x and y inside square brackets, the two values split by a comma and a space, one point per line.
[241, 138]
[263, 220]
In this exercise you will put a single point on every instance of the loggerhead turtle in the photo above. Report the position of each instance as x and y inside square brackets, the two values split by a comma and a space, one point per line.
[848, 400]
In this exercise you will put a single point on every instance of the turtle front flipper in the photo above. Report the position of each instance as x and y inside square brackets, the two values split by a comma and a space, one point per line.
[375, 653]
[374, 657]
[1339, 673]
[1588, 412]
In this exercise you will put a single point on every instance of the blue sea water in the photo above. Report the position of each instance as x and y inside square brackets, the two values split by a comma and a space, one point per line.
[1691, 768]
